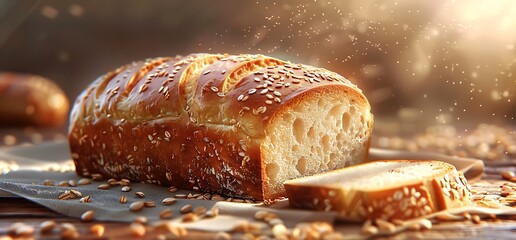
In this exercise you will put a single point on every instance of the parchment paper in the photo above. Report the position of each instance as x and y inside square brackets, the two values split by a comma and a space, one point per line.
[27, 181]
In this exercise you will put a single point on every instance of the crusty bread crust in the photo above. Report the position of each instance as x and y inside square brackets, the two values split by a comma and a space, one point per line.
[405, 200]
[195, 122]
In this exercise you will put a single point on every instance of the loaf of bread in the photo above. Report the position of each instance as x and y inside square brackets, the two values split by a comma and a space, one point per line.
[233, 125]
[387, 190]
[27, 99]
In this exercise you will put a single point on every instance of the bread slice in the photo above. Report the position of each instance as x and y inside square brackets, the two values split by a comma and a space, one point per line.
[388, 190]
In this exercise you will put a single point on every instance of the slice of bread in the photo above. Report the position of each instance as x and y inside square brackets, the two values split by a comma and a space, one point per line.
[389, 190]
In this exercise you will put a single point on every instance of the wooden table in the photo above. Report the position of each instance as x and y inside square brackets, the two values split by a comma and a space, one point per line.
[20, 210]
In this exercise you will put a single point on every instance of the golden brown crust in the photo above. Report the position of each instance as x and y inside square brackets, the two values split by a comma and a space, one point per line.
[407, 200]
[193, 121]
[31, 100]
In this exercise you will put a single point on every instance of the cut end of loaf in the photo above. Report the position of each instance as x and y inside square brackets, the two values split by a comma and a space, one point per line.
[326, 131]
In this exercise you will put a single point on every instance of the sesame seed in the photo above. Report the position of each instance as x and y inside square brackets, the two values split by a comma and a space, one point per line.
[141, 220]
[103, 186]
[169, 201]
[260, 215]
[63, 184]
[85, 199]
[84, 181]
[262, 109]
[257, 79]
[48, 183]
[87, 216]
[97, 230]
[475, 219]
[123, 199]
[398, 195]
[75, 193]
[213, 212]
[207, 72]
[245, 160]
[425, 223]
[406, 191]
[279, 231]
[139, 194]
[190, 217]
[180, 195]
[143, 88]
[69, 231]
[251, 91]
[112, 182]
[264, 91]
[22, 230]
[136, 206]
[165, 214]
[137, 229]
[214, 89]
[186, 208]
[47, 226]
[268, 102]
[507, 175]
[72, 183]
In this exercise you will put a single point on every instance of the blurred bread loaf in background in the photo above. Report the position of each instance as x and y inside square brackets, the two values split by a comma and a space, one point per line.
[27, 99]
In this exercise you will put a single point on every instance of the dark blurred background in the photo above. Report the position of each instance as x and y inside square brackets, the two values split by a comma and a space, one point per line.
[419, 62]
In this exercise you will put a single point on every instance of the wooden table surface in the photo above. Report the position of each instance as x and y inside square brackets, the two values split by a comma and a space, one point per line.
[14, 210]
[20, 210]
